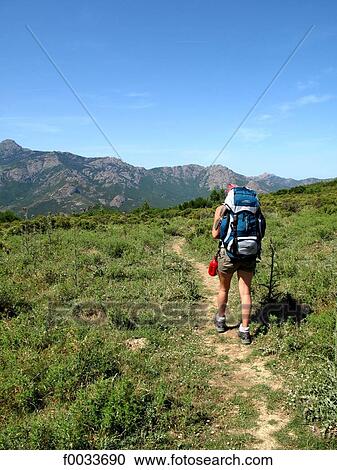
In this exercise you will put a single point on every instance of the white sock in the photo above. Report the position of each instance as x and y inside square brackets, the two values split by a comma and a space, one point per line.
[243, 329]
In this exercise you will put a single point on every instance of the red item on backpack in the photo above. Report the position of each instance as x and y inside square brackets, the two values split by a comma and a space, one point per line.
[213, 267]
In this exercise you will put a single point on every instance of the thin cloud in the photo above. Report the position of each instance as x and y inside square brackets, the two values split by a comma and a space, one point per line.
[264, 117]
[30, 125]
[329, 70]
[144, 105]
[50, 125]
[313, 99]
[138, 100]
[254, 135]
[307, 84]
[304, 101]
[314, 80]
[138, 94]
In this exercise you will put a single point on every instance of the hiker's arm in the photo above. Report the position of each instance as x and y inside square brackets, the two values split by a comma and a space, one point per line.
[217, 221]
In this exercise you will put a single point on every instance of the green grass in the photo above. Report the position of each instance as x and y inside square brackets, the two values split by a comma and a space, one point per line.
[305, 240]
[70, 377]
[67, 377]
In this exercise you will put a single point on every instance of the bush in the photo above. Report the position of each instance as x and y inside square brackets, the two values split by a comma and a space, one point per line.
[117, 248]
[8, 216]
[12, 303]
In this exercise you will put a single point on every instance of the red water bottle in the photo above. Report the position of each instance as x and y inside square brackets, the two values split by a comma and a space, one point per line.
[213, 267]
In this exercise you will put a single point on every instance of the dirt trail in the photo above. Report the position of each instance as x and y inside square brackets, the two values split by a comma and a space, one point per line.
[245, 370]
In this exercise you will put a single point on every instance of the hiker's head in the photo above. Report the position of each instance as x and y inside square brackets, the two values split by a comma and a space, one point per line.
[231, 186]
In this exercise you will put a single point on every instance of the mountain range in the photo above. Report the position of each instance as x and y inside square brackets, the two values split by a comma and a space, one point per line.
[51, 181]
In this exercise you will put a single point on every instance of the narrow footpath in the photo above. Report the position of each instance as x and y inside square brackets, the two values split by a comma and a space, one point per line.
[245, 372]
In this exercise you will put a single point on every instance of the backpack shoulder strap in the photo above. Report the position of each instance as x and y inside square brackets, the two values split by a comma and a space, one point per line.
[225, 214]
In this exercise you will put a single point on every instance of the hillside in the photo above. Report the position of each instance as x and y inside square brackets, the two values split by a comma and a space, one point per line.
[64, 182]
[86, 366]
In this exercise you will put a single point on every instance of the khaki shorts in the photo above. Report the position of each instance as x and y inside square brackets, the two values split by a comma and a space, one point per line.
[226, 265]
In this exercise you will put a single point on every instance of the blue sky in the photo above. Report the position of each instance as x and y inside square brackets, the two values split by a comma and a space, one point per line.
[168, 81]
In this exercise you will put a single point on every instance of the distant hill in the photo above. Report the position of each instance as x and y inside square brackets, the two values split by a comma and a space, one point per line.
[54, 181]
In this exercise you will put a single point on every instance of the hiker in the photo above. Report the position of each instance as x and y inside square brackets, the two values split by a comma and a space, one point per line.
[239, 225]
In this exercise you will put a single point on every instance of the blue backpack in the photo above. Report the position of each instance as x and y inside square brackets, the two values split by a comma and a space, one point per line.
[243, 224]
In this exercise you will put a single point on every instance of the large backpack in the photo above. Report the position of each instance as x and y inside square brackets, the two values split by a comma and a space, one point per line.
[243, 224]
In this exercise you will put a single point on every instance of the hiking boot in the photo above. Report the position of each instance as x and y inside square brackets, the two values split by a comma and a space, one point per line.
[245, 337]
[220, 323]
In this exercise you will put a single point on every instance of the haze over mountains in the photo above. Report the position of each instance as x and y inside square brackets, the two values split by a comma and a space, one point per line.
[54, 181]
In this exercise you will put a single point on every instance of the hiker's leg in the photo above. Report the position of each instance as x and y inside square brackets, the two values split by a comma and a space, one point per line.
[225, 283]
[245, 280]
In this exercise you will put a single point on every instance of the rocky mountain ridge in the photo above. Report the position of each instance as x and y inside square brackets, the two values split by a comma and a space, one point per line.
[55, 181]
